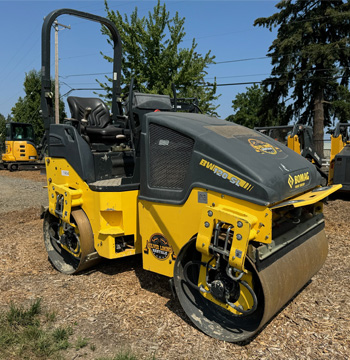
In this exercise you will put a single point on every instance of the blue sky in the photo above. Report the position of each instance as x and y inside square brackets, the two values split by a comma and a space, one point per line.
[223, 27]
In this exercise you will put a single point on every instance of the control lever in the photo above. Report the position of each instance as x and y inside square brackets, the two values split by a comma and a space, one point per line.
[87, 112]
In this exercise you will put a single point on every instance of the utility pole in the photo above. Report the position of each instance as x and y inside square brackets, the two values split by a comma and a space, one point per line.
[57, 98]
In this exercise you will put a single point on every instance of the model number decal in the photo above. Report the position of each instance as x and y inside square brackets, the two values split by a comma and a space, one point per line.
[233, 179]
[225, 175]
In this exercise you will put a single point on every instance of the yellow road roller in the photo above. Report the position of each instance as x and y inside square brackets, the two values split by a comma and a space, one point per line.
[231, 216]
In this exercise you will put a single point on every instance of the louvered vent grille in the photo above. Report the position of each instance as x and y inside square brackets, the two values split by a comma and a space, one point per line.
[170, 156]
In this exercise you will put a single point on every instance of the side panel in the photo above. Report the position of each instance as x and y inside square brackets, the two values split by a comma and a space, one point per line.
[166, 228]
[293, 143]
[65, 142]
[341, 168]
[337, 146]
[112, 215]
[8, 156]
[20, 151]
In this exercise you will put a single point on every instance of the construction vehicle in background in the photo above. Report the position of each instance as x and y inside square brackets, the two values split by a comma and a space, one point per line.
[339, 168]
[230, 216]
[297, 137]
[20, 149]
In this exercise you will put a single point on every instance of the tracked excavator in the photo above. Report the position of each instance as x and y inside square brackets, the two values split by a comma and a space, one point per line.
[20, 150]
[232, 217]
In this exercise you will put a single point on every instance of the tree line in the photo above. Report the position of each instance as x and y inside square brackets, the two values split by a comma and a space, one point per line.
[308, 82]
[311, 67]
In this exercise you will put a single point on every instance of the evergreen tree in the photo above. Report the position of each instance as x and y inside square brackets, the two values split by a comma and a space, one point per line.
[340, 108]
[27, 109]
[248, 105]
[311, 60]
[153, 56]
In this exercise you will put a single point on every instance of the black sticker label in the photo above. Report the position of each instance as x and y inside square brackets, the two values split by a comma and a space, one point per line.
[159, 247]
[202, 197]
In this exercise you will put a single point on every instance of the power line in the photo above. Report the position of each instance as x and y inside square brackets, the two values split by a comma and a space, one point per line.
[88, 74]
[78, 83]
[233, 84]
[80, 56]
[107, 73]
[284, 73]
[263, 57]
[16, 53]
[240, 60]
[271, 81]
[78, 89]
[235, 76]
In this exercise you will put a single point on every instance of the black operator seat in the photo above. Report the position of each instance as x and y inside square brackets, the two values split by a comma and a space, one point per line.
[99, 127]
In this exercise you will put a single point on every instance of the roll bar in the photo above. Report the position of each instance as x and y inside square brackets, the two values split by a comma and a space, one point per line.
[46, 96]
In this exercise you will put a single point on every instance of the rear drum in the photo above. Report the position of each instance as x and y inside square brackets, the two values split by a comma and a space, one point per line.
[70, 249]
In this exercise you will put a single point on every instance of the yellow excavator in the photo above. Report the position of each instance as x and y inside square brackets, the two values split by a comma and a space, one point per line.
[233, 218]
[20, 149]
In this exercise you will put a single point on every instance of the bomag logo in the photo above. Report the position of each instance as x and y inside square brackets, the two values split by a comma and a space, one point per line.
[290, 181]
[264, 147]
[301, 178]
[298, 180]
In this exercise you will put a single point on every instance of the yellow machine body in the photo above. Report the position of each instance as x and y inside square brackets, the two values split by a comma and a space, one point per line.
[19, 150]
[161, 231]
[337, 145]
[172, 222]
[119, 214]
[293, 143]
[113, 215]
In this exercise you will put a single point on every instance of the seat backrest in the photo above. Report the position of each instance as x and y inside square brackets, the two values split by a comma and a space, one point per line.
[151, 102]
[145, 103]
[99, 116]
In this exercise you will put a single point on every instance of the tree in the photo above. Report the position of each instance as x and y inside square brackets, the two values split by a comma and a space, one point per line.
[27, 109]
[341, 105]
[248, 109]
[310, 58]
[152, 55]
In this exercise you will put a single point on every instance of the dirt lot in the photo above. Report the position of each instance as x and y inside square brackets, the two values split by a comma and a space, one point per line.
[118, 305]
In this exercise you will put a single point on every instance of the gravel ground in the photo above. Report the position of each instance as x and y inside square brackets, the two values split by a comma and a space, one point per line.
[21, 190]
[118, 305]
